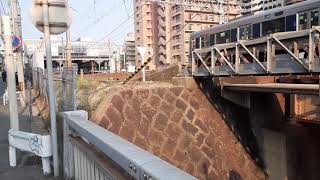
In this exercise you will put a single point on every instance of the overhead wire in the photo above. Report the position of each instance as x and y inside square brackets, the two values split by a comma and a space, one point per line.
[125, 6]
[117, 27]
[99, 19]
[3, 7]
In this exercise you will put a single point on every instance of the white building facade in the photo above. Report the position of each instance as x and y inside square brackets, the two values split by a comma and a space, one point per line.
[87, 53]
[254, 6]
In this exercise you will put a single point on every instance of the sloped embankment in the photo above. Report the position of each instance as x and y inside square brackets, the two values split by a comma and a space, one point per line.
[180, 126]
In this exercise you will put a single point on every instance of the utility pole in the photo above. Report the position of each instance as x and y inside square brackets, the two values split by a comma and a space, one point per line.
[13, 109]
[16, 18]
[52, 99]
[69, 55]
[14, 121]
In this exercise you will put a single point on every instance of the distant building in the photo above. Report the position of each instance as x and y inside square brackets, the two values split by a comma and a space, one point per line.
[253, 6]
[130, 52]
[288, 2]
[165, 28]
[88, 54]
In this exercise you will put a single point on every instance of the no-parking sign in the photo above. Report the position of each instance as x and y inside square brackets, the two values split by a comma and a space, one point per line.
[16, 42]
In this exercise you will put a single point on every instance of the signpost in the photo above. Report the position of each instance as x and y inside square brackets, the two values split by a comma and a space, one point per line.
[51, 17]
[142, 51]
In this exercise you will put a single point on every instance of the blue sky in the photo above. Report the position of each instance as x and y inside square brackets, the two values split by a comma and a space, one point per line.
[86, 13]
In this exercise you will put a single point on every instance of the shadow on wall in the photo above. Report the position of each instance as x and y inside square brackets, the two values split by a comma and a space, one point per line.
[237, 118]
[234, 175]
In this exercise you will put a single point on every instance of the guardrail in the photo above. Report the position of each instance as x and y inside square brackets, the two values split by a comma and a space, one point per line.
[33, 143]
[121, 155]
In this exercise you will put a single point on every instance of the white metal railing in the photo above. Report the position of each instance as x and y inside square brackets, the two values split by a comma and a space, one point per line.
[132, 160]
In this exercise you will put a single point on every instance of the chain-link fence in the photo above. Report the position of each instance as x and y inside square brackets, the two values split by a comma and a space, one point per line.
[65, 83]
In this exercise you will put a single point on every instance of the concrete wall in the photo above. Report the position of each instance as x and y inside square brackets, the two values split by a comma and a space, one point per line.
[181, 126]
[290, 149]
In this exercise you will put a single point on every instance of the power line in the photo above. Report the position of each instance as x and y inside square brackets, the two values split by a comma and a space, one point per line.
[120, 25]
[107, 13]
[2, 6]
[125, 6]
[125, 29]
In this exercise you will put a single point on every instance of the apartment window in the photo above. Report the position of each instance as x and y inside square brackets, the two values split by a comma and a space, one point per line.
[178, 18]
[178, 8]
[149, 45]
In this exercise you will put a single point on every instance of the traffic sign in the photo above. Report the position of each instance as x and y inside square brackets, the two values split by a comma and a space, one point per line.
[142, 50]
[60, 15]
[16, 42]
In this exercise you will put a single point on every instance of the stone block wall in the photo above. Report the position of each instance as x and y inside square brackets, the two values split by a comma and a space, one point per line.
[180, 126]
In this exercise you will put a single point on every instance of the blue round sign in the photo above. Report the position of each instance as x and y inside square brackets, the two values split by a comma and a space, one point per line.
[16, 42]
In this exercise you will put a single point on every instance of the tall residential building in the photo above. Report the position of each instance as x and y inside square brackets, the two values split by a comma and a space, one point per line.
[165, 27]
[130, 51]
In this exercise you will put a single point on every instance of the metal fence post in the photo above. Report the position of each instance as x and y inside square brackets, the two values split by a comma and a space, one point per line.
[68, 154]
[30, 105]
[64, 89]
[74, 87]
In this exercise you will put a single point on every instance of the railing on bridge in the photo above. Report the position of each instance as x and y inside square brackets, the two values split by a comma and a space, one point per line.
[296, 52]
[92, 152]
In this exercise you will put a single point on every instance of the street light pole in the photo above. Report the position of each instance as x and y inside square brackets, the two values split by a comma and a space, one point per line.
[69, 55]
[52, 99]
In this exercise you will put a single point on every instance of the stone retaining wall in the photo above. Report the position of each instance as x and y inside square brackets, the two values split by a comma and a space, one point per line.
[180, 126]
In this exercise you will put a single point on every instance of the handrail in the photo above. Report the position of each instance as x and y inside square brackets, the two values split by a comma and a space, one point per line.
[137, 162]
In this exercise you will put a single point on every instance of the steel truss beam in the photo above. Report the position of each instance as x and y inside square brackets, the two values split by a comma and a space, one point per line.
[272, 61]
